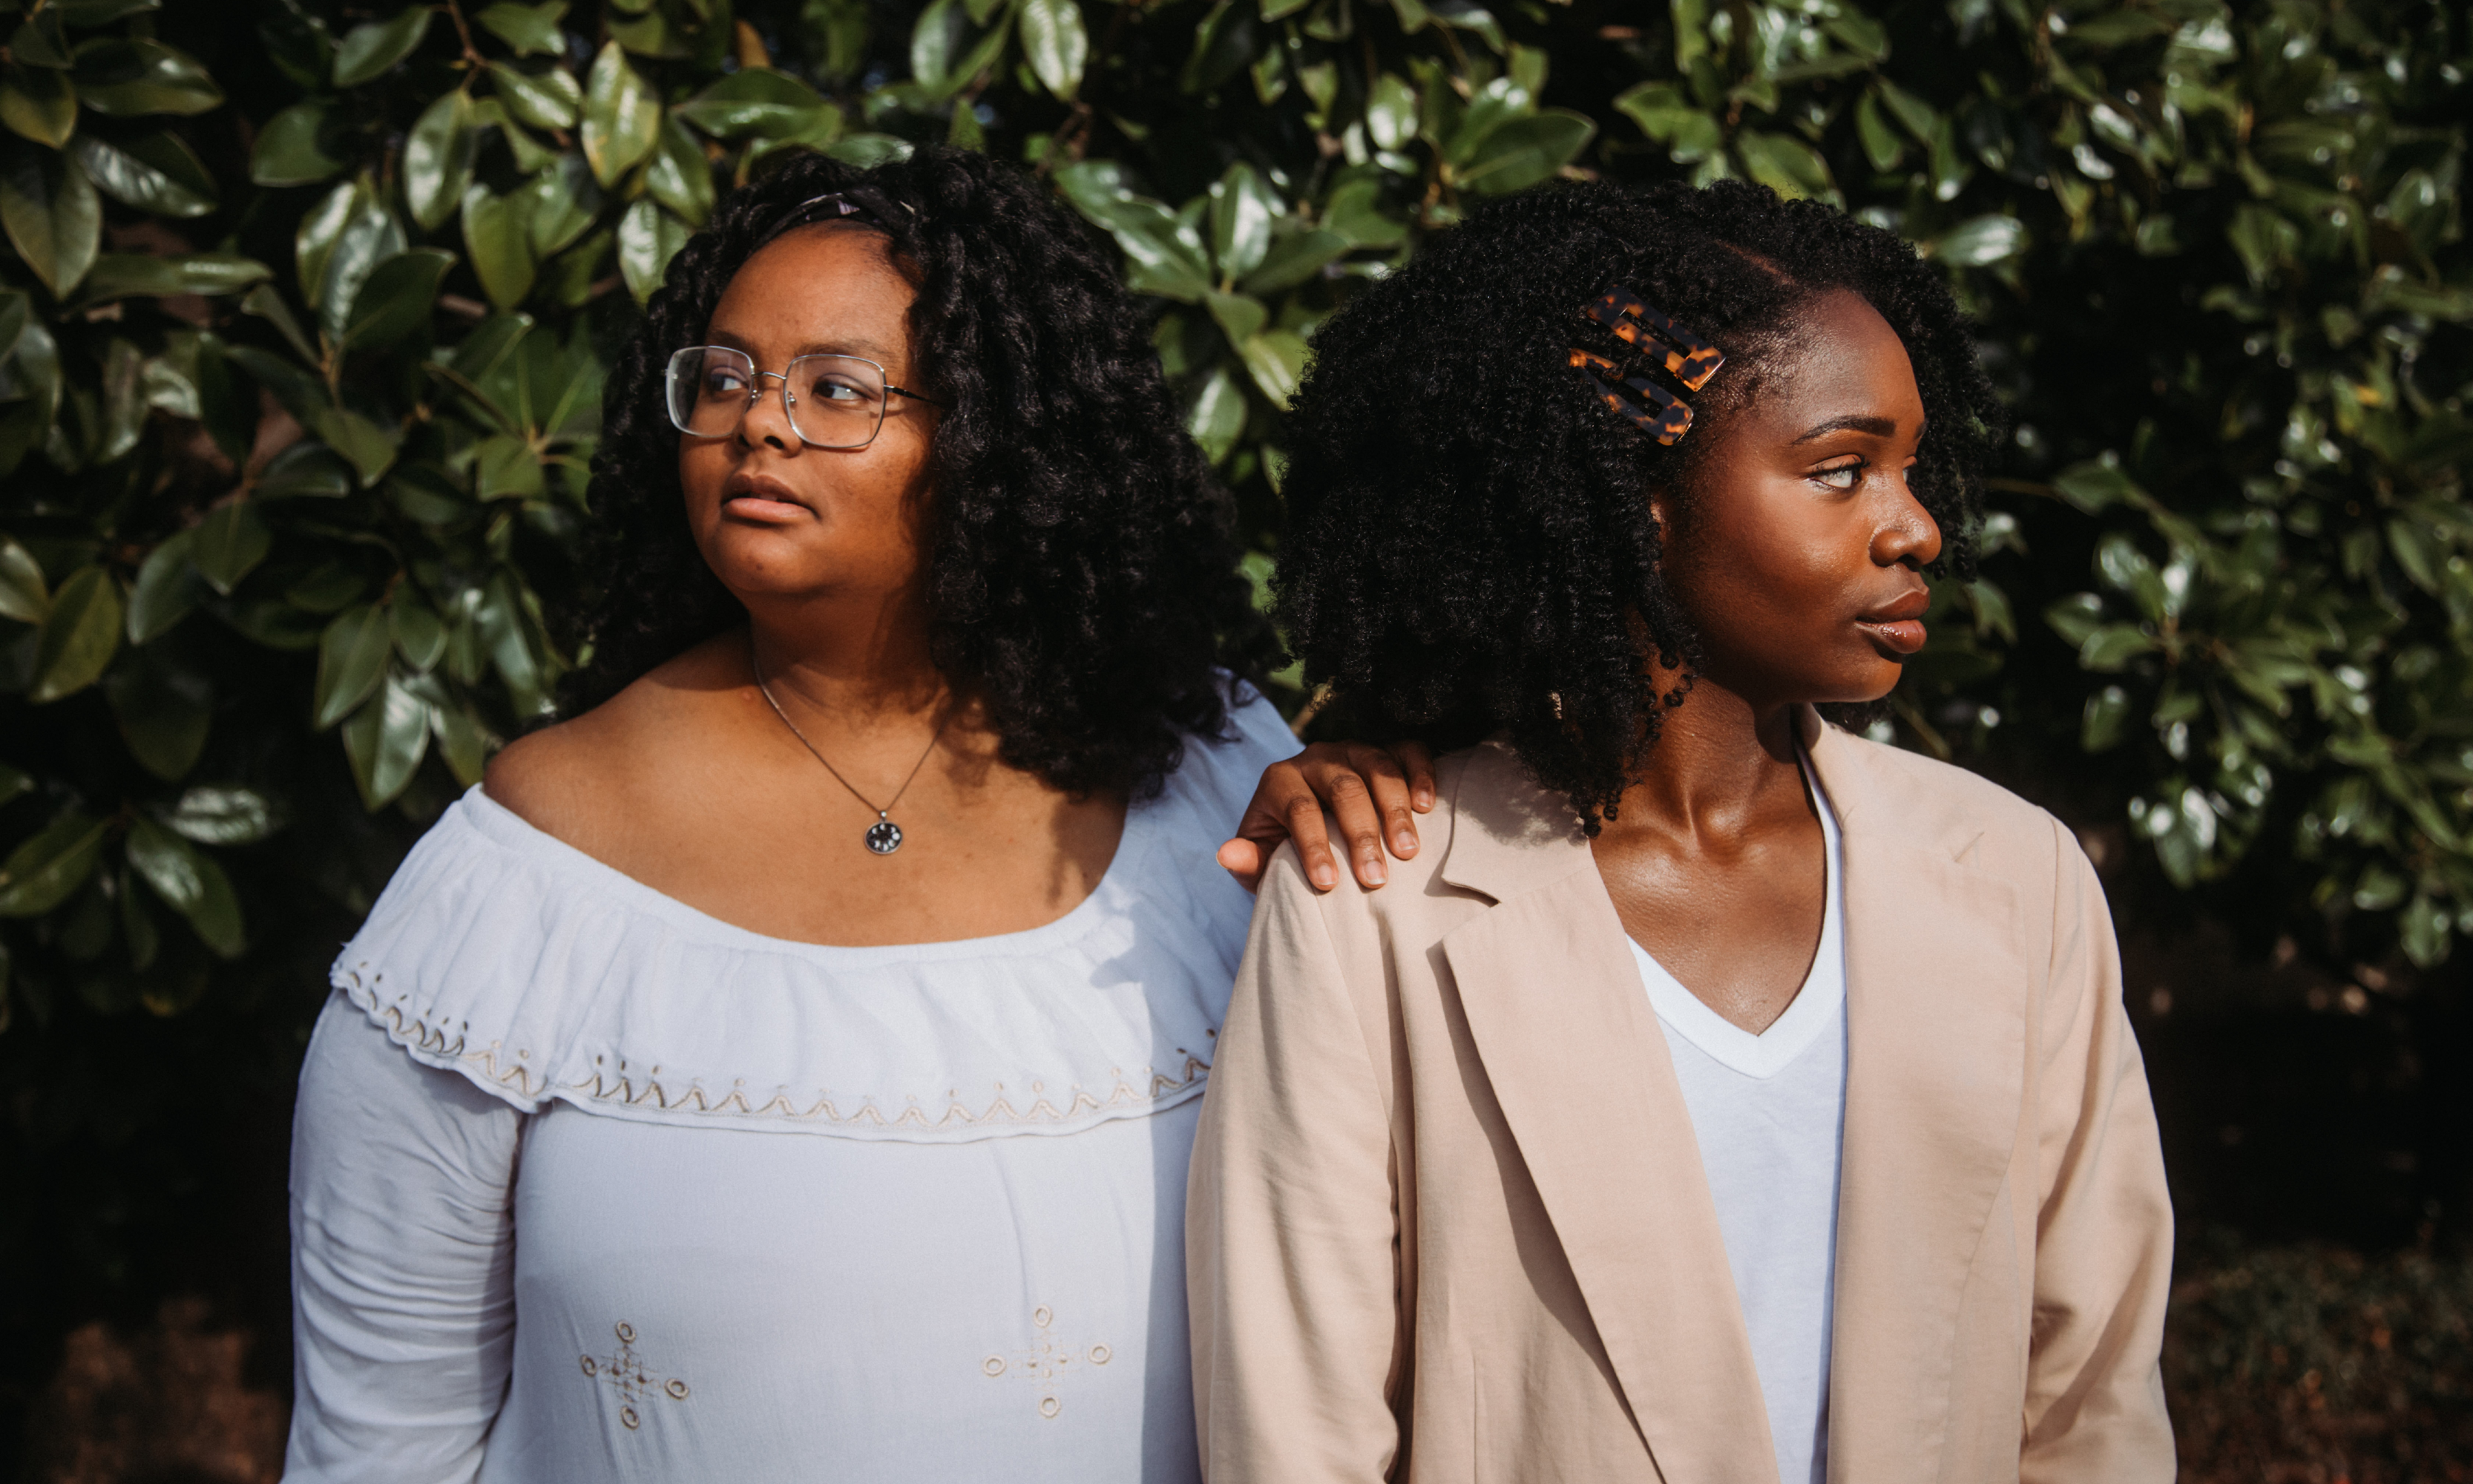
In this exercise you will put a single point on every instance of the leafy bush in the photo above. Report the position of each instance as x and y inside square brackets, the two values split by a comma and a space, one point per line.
[302, 339]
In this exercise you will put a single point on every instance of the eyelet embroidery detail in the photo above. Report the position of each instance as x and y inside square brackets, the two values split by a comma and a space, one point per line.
[643, 1087]
[1046, 1363]
[624, 1370]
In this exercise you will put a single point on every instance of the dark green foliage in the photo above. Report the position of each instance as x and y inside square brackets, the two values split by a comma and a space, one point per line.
[303, 317]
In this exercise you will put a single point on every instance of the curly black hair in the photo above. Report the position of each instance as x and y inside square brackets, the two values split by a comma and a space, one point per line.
[1470, 547]
[1082, 576]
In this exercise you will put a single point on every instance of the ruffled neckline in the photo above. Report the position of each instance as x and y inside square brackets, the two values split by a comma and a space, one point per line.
[541, 974]
[495, 822]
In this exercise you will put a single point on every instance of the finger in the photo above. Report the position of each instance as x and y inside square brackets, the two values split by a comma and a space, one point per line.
[1417, 761]
[1312, 842]
[1242, 859]
[1343, 792]
[1389, 786]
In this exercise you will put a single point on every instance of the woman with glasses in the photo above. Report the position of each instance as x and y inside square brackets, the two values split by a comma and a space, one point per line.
[784, 1066]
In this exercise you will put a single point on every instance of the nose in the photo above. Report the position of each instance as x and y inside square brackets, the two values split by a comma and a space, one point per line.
[767, 420]
[1907, 535]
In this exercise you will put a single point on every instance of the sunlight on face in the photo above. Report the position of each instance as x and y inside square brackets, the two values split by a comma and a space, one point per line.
[1799, 554]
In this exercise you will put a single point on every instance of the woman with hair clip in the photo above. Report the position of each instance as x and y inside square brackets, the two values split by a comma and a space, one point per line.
[1718, 1096]
[784, 1066]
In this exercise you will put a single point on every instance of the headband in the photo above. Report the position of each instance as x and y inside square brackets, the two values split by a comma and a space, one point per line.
[1659, 341]
[852, 203]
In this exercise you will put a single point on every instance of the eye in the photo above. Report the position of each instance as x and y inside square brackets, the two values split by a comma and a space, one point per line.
[1842, 477]
[834, 389]
[722, 380]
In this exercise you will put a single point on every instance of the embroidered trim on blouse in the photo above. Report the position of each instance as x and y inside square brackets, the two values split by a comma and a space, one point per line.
[641, 1087]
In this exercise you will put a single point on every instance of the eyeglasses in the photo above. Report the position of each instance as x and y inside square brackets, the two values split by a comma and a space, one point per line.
[834, 402]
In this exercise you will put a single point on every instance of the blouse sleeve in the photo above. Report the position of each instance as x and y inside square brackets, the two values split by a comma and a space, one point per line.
[402, 1260]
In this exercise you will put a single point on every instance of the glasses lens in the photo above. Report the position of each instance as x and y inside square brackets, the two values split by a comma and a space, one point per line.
[708, 387]
[836, 401]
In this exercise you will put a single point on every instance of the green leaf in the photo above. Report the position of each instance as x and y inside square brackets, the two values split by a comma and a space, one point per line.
[132, 275]
[154, 173]
[289, 151]
[944, 56]
[1979, 242]
[621, 116]
[41, 41]
[1277, 360]
[366, 446]
[394, 303]
[2096, 483]
[1919, 116]
[1292, 260]
[461, 741]
[228, 544]
[37, 104]
[1526, 152]
[506, 467]
[1242, 205]
[1240, 318]
[225, 815]
[51, 217]
[1216, 415]
[386, 740]
[2113, 646]
[1058, 46]
[1786, 165]
[564, 205]
[1664, 114]
[79, 635]
[1882, 145]
[420, 633]
[497, 232]
[371, 50]
[307, 471]
[265, 303]
[648, 238]
[167, 590]
[1165, 256]
[1390, 112]
[680, 177]
[438, 158]
[164, 713]
[190, 883]
[532, 30]
[339, 245]
[135, 76]
[2107, 714]
[41, 874]
[1354, 212]
[753, 101]
[548, 99]
[352, 657]
[23, 595]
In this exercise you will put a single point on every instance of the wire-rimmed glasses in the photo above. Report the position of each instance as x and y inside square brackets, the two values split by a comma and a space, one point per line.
[834, 402]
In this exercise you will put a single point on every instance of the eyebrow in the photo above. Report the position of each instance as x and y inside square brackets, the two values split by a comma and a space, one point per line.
[1854, 422]
[866, 348]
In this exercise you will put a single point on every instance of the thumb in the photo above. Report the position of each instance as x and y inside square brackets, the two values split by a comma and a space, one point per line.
[1242, 859]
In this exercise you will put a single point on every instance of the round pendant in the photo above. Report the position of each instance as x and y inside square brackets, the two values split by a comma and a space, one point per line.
[884, 837]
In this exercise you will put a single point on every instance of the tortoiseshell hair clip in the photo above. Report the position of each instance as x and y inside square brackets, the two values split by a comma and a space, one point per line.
[1681, 355]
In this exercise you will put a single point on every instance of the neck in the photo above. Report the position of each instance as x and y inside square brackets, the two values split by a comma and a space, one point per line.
[1721, 762]
[862, 659]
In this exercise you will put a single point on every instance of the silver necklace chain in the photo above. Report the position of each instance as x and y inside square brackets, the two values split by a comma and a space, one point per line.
[883, 837]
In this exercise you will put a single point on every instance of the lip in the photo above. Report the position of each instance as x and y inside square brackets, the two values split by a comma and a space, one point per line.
[1899, 624]
[762, 497]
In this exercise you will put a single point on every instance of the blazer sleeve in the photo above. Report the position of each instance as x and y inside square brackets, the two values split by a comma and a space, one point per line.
[402, 1262]
[2104, 1251]
[1290, 1228]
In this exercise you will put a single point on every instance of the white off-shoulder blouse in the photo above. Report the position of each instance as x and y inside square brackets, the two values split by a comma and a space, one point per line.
[588, 1185]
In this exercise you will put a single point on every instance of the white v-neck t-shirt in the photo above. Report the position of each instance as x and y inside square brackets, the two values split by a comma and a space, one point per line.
[1769, 1113]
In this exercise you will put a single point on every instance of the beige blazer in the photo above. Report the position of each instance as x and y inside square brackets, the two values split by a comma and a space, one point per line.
[1447, 1220]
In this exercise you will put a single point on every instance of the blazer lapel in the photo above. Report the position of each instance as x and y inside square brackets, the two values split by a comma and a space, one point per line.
[1936, 987]
[1580, 1069]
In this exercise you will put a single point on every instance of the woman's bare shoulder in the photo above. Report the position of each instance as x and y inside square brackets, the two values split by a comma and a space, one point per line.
[587, 778]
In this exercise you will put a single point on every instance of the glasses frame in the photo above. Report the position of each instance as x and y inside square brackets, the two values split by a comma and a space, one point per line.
[789, 400]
